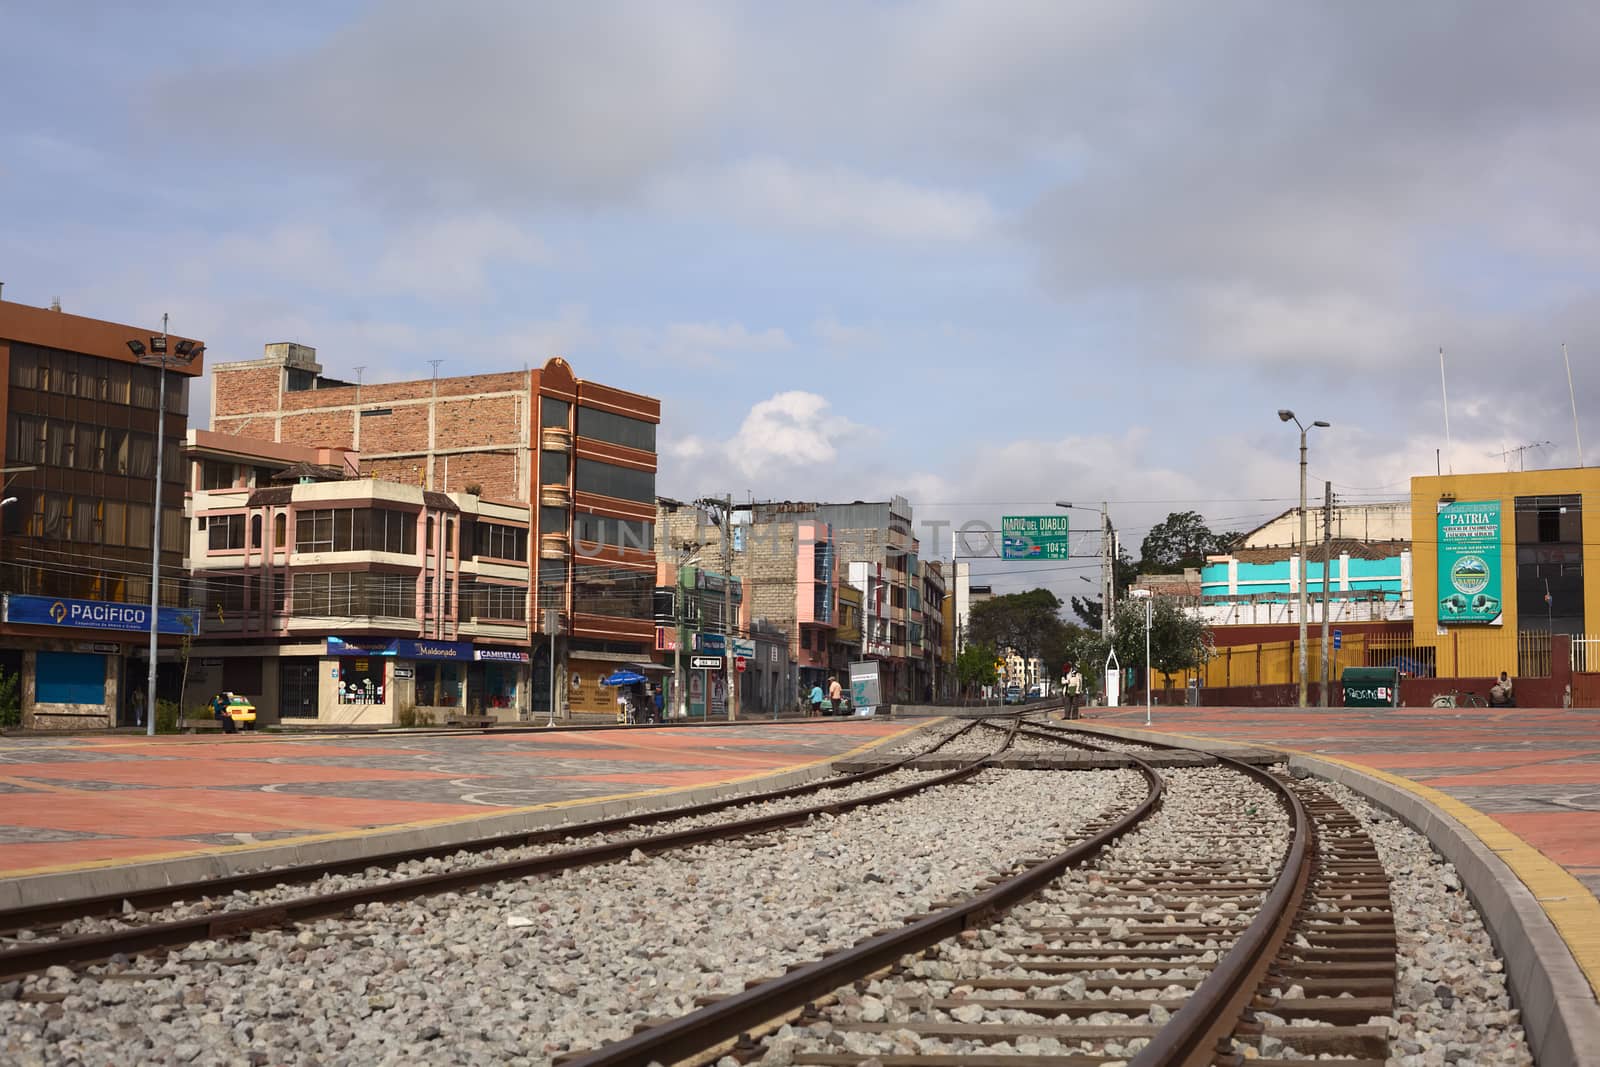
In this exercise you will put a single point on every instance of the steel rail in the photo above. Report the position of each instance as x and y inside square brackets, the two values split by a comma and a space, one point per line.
[1213, 1010]
[695, 1033]
[111, 904]
[31, 958]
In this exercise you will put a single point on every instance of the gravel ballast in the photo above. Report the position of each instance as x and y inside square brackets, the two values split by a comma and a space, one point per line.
[521, 971]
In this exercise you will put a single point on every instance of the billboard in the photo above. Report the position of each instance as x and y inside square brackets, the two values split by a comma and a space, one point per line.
[1469, 563]
[1034, 537]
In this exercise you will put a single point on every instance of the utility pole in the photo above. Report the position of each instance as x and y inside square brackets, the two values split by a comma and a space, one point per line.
[731, 675]
[1108, 568]
[1327, 567]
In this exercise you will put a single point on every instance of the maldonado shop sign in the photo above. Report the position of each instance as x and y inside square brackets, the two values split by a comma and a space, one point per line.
[24, 610]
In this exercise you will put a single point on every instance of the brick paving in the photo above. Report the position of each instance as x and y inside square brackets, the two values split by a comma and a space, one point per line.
[1534, 771]
[88, 801]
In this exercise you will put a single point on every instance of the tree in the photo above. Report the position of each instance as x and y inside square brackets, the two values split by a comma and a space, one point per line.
[975, 666]
[1022, 622]
[1181, 540]
[1178, 640]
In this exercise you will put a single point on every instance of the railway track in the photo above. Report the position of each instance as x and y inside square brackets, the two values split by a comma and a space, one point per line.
[227, 908]
[1229, 915]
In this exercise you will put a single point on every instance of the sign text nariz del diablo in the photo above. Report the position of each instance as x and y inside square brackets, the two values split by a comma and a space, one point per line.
[1034, 537]
[1469, 563]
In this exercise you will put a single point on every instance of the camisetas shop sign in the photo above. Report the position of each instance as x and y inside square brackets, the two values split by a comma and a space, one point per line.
[97, 615]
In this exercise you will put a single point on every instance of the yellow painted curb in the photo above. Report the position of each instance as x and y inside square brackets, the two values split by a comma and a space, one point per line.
[1570, 906]
[340, 835]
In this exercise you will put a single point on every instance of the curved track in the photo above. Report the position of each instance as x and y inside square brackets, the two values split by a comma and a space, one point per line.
[1166, 989]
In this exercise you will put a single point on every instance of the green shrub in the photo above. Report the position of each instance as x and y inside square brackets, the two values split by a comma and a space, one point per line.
[10, 698]
[167, 712]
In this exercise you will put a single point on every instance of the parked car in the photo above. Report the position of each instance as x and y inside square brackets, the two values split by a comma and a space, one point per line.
[241, 711]
[1013, 694]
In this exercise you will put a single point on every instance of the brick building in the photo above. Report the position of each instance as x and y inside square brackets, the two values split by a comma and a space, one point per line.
[579, 455]
[76, 515]
[335, 598]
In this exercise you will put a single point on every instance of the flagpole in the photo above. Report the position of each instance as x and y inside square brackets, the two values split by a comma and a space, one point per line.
[1574, 398]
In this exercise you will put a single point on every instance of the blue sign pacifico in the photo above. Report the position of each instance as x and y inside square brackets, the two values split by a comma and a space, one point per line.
[97, 615]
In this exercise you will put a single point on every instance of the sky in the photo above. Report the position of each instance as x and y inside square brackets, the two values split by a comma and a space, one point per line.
[987, 256]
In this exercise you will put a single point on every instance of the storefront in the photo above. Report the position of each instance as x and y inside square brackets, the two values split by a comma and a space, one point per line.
[73, 658]
[586, 670]
[375, 677]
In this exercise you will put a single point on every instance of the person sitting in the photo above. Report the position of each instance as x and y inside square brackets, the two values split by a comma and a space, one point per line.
[1500, 693]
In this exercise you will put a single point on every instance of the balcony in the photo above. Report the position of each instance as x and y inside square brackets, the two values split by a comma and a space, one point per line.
[555, 439]
[555, 496]
[552, 546]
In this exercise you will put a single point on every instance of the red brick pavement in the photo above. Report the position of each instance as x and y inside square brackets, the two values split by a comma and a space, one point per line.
[89, 801]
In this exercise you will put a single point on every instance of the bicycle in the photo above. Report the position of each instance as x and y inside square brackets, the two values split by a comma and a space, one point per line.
[1459, 699]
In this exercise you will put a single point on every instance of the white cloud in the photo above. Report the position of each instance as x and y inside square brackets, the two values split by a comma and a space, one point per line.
[835, 334]
[449, 258]
[768, 191]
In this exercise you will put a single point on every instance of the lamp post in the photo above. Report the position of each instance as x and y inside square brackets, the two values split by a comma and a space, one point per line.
[1285, 415]
[157, 356]
[1108, 565]
[1144, 595]
[678, 696]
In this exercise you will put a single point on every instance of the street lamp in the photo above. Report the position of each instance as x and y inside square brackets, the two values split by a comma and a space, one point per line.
[678, 695]
[1144, 595]
[1285, 415]
[1108, 566]
[156, 355]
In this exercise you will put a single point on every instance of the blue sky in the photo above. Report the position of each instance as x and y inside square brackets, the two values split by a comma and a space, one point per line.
[985, 255]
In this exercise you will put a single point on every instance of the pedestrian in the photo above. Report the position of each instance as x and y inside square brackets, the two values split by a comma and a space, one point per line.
[659, 699]
[1500, 693]
[138, 707]
[816, 701]
[835, 696]
[1074, 692]
[219, 711]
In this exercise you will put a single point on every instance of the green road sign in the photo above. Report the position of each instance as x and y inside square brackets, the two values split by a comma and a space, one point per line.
[1469, 563]
[1034, 537]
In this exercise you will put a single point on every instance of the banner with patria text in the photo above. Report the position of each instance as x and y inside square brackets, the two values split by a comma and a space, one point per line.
[1469, 563]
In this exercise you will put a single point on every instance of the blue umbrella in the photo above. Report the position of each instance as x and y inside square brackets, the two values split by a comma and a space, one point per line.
[622, 678]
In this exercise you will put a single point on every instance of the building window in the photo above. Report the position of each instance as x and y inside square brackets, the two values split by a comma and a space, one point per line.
[616, 429]
[361, 681]
[222, 597]
[352, 530]
[255, 531]
[589, 529]
[280, 530]
[215, 474]
[438, 685]
[553, 468]
[553, 412]
[69, 678]
[499, 541]
[608, 479]
[553, 520]
[482, 600]
[225, 532]
[612, 591]
[355, 595]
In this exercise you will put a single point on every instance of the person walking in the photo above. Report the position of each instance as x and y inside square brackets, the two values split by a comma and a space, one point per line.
[835, 696]
[816, 701]
[1074, 692]
[138, 707]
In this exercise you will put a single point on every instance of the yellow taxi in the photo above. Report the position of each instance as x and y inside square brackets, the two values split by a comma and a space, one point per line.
[240, 710]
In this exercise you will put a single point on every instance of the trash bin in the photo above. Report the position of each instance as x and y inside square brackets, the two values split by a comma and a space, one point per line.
[1192, 697]
[1371, 687]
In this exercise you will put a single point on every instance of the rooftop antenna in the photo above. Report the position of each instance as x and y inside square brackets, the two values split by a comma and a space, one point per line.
[1443, 392]
[1520, 452]
[1574, 397]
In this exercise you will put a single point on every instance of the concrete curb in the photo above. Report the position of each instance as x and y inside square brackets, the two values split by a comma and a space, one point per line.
[126, 878]
[1559, 1015]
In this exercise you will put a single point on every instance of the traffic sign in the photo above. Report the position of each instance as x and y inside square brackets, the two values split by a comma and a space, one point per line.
[1034, 537]
[1338, 638]
[705, 663]
[738, 662]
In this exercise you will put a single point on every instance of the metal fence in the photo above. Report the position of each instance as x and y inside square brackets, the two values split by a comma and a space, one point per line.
[1586, 654]
[1465, 654]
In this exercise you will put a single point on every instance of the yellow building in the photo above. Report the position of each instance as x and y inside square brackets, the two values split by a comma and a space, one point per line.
[1500, 561]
